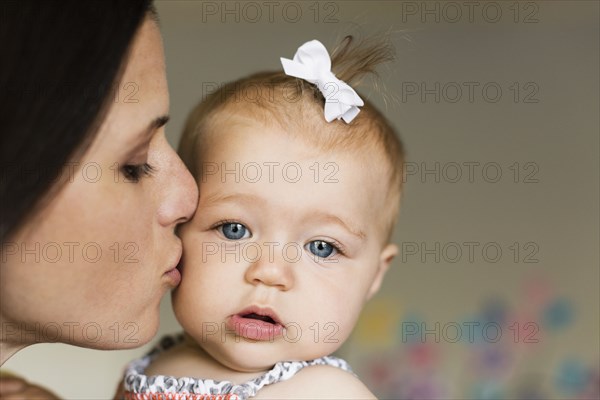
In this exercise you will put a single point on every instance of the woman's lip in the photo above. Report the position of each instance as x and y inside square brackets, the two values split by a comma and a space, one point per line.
[174, 276]
[174, 273]
[176, 259]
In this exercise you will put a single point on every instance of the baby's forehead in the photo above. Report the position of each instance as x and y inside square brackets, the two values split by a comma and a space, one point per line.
[242, 155]
[304, 127]
[324, 146]
[319, 153]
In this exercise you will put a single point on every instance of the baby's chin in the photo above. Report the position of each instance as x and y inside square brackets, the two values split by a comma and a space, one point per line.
[243, 358]
[252, 356]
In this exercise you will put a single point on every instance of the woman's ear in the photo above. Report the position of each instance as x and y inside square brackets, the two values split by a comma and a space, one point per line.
[385, 258]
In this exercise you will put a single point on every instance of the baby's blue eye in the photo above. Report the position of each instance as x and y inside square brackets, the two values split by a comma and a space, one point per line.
[320, 248]
[234, 231]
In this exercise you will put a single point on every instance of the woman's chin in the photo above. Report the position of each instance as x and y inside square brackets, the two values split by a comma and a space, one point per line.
[119, 336]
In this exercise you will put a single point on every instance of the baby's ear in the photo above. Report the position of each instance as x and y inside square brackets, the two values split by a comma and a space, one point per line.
[385, 258]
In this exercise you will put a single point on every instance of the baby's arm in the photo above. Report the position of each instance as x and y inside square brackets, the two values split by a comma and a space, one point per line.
[318, 382]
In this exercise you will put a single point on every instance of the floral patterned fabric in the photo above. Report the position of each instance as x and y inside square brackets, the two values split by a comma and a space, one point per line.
[141, 387]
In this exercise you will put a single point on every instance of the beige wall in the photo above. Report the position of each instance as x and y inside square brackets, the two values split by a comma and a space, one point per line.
[553, 61]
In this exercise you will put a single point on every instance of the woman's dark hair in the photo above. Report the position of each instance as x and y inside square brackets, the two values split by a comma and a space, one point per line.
[60, 61]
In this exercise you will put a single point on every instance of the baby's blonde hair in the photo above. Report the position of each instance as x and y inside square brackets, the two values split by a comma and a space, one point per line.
[297, 106]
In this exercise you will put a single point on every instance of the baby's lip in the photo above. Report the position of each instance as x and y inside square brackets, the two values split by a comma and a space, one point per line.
[261, 313]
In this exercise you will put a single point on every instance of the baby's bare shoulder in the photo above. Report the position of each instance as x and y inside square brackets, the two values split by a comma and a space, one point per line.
[171, 362]
[318, 382]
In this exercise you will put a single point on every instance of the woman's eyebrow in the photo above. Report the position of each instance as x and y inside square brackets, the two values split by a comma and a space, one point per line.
[155, 125]
[146, 134]
[158, 123]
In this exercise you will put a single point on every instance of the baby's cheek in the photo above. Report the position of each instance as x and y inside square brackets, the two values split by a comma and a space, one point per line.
[325, 334]
[350, 307]
[342, 314]
[191, 311]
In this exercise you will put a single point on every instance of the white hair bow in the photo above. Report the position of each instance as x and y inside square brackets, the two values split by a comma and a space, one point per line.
[312, 63]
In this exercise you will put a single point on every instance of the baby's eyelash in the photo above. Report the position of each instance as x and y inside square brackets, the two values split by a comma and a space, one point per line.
[225, 221]
[337, 245]
[232, 230]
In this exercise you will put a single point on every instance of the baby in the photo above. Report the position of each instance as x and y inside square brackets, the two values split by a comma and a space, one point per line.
[300, 183]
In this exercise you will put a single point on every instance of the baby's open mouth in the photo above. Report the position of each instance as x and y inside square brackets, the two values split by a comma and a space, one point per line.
[256, 323]
[264, 318]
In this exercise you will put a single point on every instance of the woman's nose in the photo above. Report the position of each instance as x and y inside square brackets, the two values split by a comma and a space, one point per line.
[179, 191]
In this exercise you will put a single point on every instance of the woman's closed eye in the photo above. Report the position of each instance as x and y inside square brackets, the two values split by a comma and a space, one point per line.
[233, 230]
[135, 172]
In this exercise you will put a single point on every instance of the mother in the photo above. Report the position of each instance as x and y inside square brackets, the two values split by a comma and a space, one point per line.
[91, 192]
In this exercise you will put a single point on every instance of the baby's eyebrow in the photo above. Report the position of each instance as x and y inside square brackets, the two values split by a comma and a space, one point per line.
[309, 215]
[239, 197]
[332, 218]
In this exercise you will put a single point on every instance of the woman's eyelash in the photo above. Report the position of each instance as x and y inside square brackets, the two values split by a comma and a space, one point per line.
[135, 172]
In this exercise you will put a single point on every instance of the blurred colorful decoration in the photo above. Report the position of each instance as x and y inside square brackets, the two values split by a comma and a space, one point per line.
[424, 387]
[538, 291]
[495, 310]
[495, 361]
[484, 355]
[472, 331]
[409, 328]
[524, 331]
[422, 355]
[572, 377]
[557, 314]
[488, 390]
[376, 325]
[592, 390]
[380, 373]
[530, 387]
